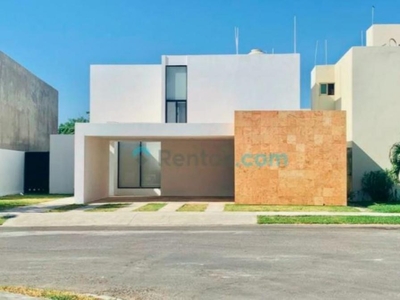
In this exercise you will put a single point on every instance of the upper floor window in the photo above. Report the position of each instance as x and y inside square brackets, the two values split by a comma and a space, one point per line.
[327, 89]
[176, 82]
[176, 94]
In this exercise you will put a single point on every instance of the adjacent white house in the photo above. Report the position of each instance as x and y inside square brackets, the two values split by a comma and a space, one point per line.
[168, 129]
[365, 83]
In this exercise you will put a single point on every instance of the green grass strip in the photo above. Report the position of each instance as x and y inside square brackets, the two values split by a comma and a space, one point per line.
[327, 220]
[256, 208]
[66, 208]
[193, 207]
[385, 208]
[108, 207]
[151, 207]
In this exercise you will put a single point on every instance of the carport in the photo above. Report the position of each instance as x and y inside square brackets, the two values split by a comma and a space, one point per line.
[195, 160]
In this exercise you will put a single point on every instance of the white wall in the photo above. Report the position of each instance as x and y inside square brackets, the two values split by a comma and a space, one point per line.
[192, 168]
[381, 35]
[220, 84]
[62, 164]
[125, 93]
[322, 74]
[12, 165]
[344, 90]
[92, 165]
[376, 107]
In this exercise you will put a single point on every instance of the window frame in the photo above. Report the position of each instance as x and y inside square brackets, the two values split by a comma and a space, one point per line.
[140, 187]
[327, 84]
[173, 100]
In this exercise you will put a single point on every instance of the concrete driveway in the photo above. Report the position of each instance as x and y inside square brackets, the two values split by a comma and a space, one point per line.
[243, 262]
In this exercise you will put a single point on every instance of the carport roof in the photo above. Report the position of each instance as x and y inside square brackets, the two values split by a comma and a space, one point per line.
[145, 131]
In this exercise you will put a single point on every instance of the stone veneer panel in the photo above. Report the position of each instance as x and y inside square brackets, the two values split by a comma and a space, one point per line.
[290, 157]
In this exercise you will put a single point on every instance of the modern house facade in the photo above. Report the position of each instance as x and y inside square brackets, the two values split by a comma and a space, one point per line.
[170, 129]
[28, 115]
[364, 84]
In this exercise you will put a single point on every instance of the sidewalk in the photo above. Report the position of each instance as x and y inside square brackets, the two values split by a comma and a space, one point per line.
[125, 218]
[38, 216]
[8, 296]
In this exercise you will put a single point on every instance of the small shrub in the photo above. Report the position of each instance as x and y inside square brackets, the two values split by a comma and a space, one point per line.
[378, 185]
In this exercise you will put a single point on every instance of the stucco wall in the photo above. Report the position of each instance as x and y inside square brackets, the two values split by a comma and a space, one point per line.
[92, 165]
[28, 108]
[344, 89]
[376, 107]
[381, 34]
[62, 164]
[296, 157]
[197, 168]
[11, 172]
[125, 93]
[322, 74]
[220, 84]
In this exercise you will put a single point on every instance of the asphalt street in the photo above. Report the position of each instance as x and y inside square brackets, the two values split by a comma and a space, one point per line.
[244, 262]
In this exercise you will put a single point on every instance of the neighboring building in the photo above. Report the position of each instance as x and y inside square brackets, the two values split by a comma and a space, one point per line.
[170, 130]
[365, 84]
[28, 115]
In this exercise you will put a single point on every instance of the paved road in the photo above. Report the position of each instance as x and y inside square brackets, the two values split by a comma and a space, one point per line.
[247, 262]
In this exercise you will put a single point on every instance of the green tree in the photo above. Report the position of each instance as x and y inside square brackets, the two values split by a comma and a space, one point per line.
[69, 126]
[394, 157]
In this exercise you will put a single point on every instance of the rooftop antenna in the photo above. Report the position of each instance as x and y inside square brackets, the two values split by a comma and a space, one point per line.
[295, 35]
[326, 52]
[373, 14]
[362, 38]
[237, 39]
[316, 53]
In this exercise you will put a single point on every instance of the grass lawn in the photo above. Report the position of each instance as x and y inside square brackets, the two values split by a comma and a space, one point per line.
[255, 208]
[66, 208]
[193, 207]
[46, 294]
[327, 220]
[151, 207]
[108, 207]
[13, 201]
[385, 208]
[2, 220]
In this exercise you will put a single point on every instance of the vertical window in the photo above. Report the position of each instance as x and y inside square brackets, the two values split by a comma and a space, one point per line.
[176, 94]
[331, 89]
[324, 89]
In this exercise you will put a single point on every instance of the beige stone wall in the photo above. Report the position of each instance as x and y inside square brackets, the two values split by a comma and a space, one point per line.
[290, 157]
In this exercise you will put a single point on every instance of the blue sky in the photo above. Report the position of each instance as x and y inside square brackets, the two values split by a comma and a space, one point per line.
[58, 40]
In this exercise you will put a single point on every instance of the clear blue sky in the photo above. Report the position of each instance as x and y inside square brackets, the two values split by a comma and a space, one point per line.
[58, 40]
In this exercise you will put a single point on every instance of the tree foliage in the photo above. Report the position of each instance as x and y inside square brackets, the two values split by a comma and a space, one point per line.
[69, 126]
[378, 185]
[394, 156]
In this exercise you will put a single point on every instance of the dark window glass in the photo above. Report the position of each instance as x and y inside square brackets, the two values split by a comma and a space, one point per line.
[331, 89]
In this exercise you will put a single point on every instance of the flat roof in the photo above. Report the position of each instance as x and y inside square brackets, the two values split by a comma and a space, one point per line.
[147, 131]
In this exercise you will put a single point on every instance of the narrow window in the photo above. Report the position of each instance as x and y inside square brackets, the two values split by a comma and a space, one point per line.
[176, 94]
[324, 89]
[331, 89]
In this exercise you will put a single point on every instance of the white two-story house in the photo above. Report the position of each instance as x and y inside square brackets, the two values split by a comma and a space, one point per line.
[168, 129]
